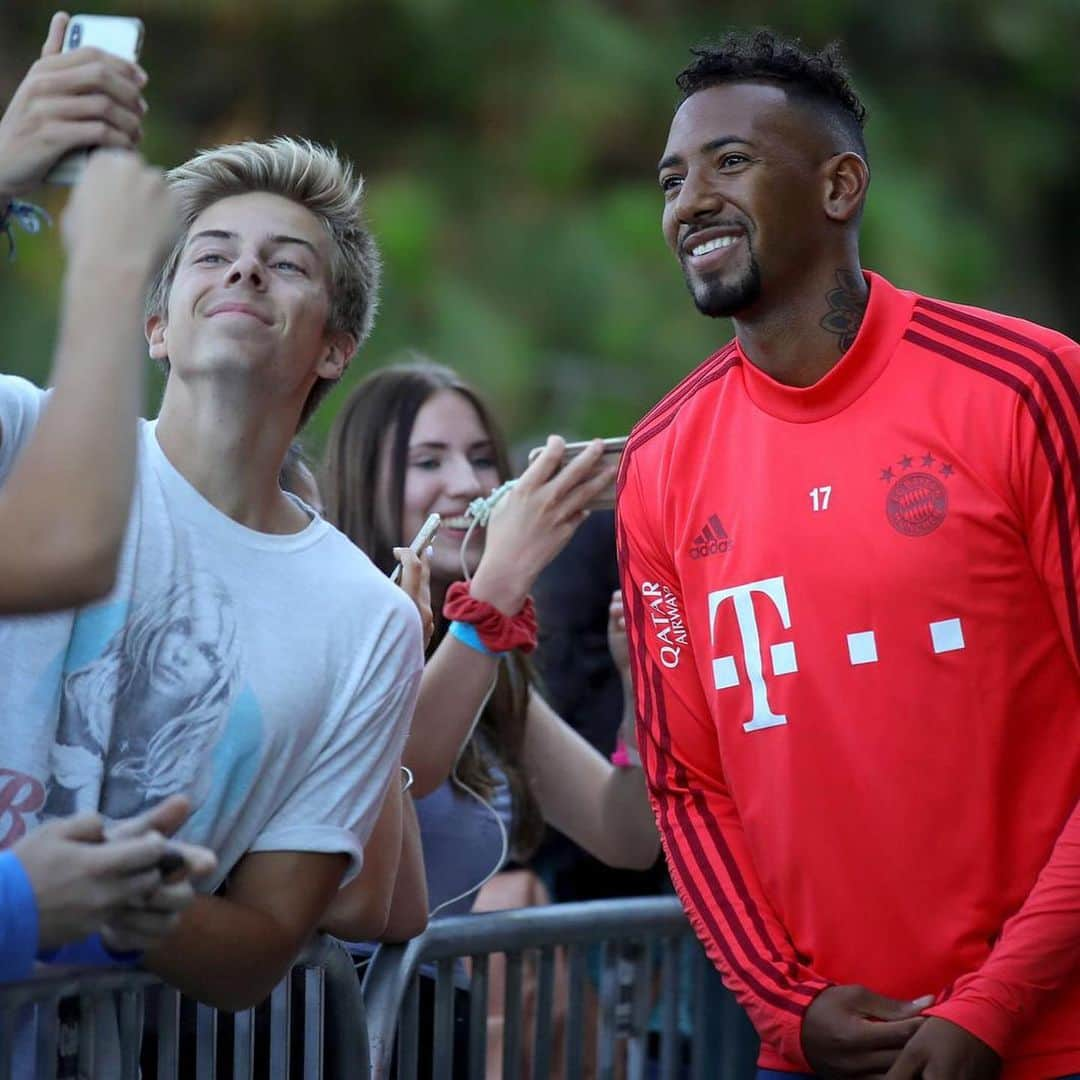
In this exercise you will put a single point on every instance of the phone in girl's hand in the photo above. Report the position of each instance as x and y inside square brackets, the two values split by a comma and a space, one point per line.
[420, 541]
[613, 449]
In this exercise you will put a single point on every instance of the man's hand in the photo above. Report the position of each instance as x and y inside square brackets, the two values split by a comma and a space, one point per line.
[143, 922]
[944, 1051]
[121, 215]
[85, 97]
[851, 1031]
[78, 881]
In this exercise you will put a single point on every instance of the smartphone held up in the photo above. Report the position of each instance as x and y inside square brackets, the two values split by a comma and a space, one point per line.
[613, 449]
[116, 34]
[420, 541]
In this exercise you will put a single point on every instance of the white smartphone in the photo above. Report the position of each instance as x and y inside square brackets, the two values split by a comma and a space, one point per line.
[420, 541]
[613, 449]
[117, 34]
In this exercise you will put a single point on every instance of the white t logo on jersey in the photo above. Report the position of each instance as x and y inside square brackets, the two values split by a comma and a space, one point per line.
[782, 654]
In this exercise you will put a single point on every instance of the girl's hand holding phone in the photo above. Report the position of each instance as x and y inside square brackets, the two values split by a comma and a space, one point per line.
[534, 521]
[416, 582]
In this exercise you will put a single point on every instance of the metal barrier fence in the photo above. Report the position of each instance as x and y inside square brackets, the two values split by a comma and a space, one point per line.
[92, 1025]
[641, 999]
[621, 991]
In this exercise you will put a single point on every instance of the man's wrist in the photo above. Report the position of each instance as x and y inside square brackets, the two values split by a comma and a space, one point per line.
[983, 1020]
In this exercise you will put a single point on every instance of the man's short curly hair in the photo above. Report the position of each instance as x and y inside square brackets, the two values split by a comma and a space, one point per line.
[819, 80]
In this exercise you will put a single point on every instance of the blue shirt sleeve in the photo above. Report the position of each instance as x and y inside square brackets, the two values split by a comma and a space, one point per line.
[90, 952]
[18, 920]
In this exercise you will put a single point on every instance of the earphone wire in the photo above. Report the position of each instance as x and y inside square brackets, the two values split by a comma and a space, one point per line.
[461, 785]
[480, 512]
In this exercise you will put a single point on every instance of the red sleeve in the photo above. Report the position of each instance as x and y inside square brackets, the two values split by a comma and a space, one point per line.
[699, 824]
[1039, 946]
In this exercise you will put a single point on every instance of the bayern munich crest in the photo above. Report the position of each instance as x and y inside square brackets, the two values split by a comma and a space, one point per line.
[917, 501]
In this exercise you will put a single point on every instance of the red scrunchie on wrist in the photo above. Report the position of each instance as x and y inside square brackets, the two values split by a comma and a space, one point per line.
[498, 632]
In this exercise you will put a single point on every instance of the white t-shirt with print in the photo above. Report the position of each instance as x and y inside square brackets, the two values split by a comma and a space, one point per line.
[270, 678]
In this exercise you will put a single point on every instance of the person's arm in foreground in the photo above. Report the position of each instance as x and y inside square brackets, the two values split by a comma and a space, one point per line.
[230, 951]
[844, 1029]
[1038, 948]
[64, 507]
[73, 878]
[529, 526]
[387, 900]
[603, 808]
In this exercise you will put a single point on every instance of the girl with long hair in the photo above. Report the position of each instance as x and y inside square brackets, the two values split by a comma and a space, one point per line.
[413, 439]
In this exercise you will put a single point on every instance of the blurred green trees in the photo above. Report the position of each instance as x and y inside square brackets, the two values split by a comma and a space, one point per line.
[510, 150]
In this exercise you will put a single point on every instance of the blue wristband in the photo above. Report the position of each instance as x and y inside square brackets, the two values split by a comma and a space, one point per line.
[467, 634]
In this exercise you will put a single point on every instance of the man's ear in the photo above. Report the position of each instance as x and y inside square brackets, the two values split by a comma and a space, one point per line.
[847, 177]
[337, 353]
[155, 337]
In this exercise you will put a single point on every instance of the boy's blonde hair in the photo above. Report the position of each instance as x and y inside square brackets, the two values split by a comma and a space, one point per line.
[316, 178]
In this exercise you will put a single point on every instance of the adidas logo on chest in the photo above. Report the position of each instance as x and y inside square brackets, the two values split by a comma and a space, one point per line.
[712, 539]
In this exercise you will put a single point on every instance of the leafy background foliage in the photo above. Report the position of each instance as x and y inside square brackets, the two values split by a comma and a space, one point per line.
[510, 150]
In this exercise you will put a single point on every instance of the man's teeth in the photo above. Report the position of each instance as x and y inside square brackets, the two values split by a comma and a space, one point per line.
[713, 245]
[462, 522]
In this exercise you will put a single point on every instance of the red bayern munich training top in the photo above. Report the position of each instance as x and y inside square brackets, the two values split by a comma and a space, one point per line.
[855, 639]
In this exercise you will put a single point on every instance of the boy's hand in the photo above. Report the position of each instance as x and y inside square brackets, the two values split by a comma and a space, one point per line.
[66, 101]
[143, 921]
[79, 881]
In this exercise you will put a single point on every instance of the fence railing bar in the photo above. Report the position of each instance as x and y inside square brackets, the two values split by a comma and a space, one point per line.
[244, 1045]
[478, 1004]
[638, 1045]
[605, 1026]
[698, 1064]
[87, 1035]
[280, 1029]
[130, 1020]
[545, 999]
[206, 1029]
[512, 1015]
[575, 1012]
[47, 1023]
[409, 1033]
[168, 1034]
[7, 1041]
[442, 1034]
[669, 1008]
[532, 928]
[314, 1016]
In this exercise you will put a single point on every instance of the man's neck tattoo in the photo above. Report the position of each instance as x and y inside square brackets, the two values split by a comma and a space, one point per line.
[847, 305]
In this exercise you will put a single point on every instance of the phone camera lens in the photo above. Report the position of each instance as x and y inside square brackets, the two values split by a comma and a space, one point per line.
[75, 37]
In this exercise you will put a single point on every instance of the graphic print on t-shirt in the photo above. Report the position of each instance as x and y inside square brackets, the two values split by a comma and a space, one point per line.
[140, 720]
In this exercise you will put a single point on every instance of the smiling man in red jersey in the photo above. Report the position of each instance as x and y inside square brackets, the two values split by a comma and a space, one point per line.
[250, 656]
[850, 544]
